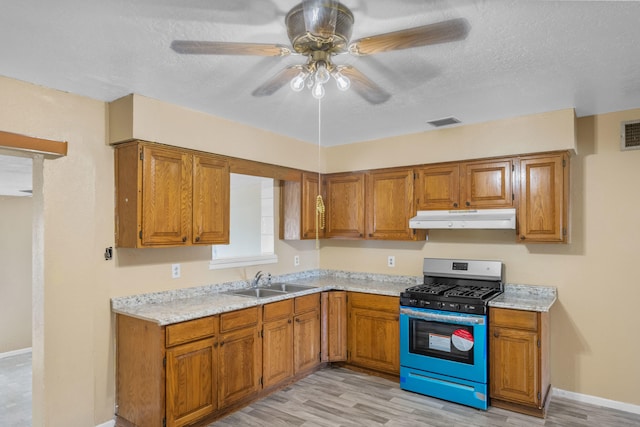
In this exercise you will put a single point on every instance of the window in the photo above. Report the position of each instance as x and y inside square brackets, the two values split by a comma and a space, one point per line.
[251, 224]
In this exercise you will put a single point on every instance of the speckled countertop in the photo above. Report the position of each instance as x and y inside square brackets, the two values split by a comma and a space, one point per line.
[180, 305]
[525, 297]
[176, 306]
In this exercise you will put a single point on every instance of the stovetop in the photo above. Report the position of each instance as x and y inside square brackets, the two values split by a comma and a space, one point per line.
[464, 286]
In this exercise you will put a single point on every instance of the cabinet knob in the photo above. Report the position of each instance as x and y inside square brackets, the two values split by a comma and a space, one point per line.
[496, 334]
[468, 203]
[522, 237]
[289, 321]
[360, 234]
[455, 205]
[222, 343]
[370, 234]
[198, 239]
[184, 239]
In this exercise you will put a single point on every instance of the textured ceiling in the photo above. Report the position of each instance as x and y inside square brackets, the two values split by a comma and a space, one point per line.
[520, 57]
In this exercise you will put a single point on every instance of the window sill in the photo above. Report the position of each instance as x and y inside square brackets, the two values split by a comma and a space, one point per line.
[218, 264]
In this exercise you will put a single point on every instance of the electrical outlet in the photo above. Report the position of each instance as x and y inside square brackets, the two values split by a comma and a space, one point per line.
[175, 271]
[391, 261]
[296, 260]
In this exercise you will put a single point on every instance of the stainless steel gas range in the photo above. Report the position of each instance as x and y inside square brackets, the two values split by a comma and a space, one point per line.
[443, 330]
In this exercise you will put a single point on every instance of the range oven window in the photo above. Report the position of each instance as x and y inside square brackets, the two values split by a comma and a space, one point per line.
[441, 340]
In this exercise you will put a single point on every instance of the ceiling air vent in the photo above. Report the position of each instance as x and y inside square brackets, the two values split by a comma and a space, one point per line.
[444, 122]
[630, 135]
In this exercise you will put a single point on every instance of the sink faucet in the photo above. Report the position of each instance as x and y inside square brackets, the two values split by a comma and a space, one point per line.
[256, 279]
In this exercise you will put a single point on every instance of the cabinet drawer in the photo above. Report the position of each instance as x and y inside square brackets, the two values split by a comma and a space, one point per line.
[238, 319]
[307, 303]
[518, 319]
[277, 310]
[374, 302]
[191, 330]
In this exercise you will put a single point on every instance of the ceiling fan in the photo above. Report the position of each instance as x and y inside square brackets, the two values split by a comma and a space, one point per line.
[320, 30]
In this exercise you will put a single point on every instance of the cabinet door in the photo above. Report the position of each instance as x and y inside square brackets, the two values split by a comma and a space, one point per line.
[514, 365]
[277, 351]
[334, 326]
[390, 204]
[487, 184]
[306, 338]
[438, 187]
[166, 196]
[345, 205]
[239, 357]
[210, 200]
[374, 334]
[544, 183]
[191, 382]
[310, 218]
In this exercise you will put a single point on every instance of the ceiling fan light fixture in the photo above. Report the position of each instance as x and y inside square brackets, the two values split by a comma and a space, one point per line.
[342, 81]
[318, 91]
[298, 82]
[322, 74]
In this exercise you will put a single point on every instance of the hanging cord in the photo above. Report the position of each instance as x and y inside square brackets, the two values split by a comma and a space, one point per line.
[320, 210]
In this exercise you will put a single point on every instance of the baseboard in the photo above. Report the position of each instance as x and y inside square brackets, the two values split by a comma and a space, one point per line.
[15, 352]
[594, 400]
[110, 423]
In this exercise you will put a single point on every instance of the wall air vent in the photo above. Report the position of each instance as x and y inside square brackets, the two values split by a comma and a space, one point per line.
[444, 122]
[630, 135]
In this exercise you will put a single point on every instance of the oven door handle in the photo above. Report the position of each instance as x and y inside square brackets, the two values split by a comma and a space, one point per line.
[444, 318]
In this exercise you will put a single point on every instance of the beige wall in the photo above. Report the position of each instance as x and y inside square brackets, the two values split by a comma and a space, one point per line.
[77, 385]
[593, 324]
[15, 273]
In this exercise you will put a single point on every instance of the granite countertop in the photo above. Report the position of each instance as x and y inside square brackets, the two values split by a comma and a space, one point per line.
[525, 297]
[165, 308]
[168, 307]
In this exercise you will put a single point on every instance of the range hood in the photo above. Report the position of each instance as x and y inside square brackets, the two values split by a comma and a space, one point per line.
[471, 218]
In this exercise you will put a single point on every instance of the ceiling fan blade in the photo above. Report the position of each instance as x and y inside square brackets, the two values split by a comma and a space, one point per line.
[364, 86]
[320, 17]
[276, 82]
[229, 48]
[440, 32]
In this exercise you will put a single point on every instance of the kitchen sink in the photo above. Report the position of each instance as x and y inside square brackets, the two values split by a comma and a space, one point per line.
[290, 287]
[259, 293]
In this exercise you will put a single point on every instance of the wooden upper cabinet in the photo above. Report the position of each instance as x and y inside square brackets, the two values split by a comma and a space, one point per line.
[168, 196]
[465, 185]
[311, 188]
[486, 184]
[345, 205]
[210, 200]
[438, 187]
[544, 198]
[299, 210]
[390, 204]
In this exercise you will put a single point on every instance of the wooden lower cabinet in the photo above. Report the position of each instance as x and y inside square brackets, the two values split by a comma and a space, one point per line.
[191, 382]
[519, 360]
[239, 355]
[277, 343]
[374, 334]
[306, 339]
[334, 326]
[166, 375]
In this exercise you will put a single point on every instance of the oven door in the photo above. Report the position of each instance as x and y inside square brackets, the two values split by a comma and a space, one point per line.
[445, 343]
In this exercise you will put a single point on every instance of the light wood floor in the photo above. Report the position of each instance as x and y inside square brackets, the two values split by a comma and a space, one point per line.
[340, 397]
